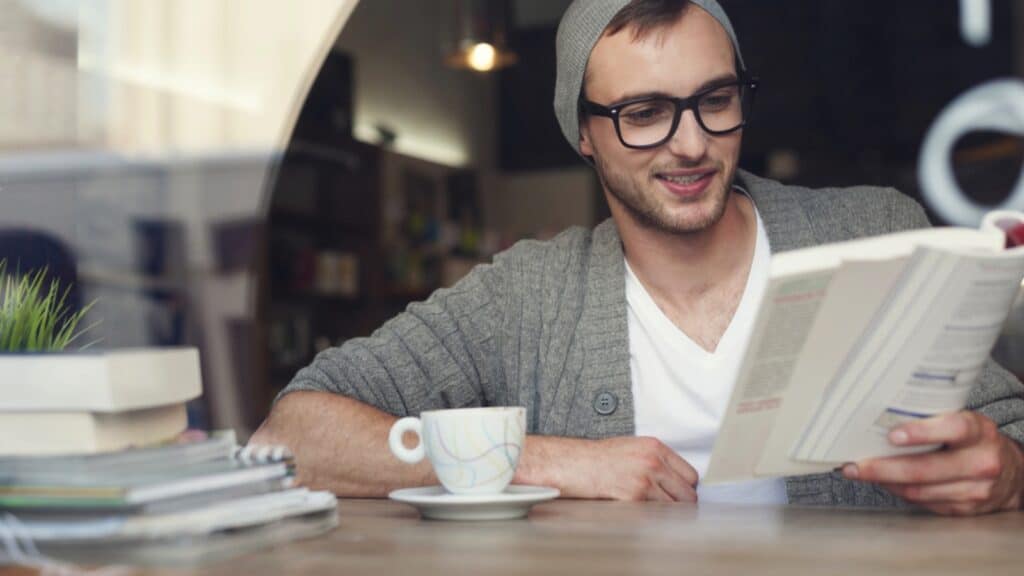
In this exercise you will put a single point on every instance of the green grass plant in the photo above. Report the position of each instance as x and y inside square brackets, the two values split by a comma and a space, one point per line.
[34, 314]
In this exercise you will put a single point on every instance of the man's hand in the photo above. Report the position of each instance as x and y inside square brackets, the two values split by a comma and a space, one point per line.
[978, 471]
[626, 468]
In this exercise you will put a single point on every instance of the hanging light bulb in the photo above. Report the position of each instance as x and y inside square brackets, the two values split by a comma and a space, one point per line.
[481, 32]
[482, 57]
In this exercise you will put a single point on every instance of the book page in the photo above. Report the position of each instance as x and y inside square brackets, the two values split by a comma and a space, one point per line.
[858, 290]
[931, 364]
[783, 322]
[893, 325]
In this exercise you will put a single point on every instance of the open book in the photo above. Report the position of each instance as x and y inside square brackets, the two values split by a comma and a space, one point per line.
[855, 338]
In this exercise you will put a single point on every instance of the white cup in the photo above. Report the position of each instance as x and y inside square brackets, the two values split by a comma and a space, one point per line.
[472, 450]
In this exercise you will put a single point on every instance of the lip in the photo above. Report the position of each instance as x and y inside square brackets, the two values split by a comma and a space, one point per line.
[687, 190]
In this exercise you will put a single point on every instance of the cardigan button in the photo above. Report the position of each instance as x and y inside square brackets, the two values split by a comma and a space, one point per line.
[605, 403]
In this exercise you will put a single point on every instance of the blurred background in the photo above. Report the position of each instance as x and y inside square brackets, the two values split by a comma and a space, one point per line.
[255, 179]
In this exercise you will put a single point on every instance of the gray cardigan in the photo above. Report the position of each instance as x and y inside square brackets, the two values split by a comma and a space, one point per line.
[544, 326]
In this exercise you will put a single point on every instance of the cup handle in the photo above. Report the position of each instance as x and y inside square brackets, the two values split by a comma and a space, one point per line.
[407, 455]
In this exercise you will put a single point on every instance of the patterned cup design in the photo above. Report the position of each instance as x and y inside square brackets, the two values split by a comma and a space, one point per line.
[472, 450]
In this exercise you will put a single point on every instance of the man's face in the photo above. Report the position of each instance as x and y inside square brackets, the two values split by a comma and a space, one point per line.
[681, 186]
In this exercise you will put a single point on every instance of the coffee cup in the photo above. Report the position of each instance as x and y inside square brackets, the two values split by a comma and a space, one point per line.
[472, 450]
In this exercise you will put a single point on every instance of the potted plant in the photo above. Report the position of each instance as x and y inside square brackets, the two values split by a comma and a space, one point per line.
[55, 399]
[35, 317]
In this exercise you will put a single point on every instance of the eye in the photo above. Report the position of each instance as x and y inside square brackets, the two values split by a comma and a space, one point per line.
[720, 99]
[644, 113]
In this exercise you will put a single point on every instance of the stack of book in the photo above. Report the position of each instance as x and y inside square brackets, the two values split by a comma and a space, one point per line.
[92, 470]
[175, 504]
[93, 402]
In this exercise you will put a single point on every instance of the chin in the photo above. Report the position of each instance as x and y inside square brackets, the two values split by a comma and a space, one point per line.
[691, 219]
[690, 224]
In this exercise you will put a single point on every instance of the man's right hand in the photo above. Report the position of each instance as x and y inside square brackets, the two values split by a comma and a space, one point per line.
[623, 468]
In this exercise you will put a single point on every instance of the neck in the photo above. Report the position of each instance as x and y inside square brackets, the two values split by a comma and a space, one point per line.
[679, 268]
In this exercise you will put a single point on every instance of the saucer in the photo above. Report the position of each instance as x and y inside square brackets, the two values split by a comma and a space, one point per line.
[435, 503]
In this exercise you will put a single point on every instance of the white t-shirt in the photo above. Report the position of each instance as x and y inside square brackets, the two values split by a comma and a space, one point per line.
[681, 391]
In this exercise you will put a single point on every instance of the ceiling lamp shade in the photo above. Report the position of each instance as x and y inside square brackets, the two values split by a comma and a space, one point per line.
[481, 35]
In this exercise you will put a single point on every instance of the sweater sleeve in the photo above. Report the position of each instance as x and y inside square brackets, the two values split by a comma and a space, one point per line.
[440, 353]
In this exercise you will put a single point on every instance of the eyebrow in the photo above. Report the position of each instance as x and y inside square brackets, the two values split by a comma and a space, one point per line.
[712, 83]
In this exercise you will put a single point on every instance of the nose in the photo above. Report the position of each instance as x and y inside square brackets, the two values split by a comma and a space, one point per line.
[690, 141]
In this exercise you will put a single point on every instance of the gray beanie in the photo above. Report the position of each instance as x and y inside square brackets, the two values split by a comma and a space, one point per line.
[581, 27]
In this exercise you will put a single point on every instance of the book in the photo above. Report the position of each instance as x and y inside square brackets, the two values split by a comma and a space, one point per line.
[49, 484]
[43, 433]
[180, 504]
[104, 381]
[218, 446]
[127, 488]
[189, 538]
[228, 514]
[855, 338]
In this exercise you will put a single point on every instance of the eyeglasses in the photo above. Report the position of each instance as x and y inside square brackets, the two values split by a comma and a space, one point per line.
[649, 122]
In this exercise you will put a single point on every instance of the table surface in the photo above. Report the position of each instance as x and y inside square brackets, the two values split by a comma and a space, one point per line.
[585, 537]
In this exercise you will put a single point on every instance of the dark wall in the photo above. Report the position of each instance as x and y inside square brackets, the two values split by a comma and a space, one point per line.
[529, 136]
[854, 86]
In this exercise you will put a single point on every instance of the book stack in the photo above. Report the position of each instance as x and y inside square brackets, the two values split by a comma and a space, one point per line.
[93, 402]
[91, 469]
[175, 504]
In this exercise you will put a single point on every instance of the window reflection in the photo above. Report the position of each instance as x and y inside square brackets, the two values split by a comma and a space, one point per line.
[135, 143]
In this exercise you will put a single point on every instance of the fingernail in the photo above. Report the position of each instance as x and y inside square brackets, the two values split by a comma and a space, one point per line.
[898, 437]
[851, 471]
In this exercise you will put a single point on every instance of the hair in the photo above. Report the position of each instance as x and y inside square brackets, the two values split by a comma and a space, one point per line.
[644, 16]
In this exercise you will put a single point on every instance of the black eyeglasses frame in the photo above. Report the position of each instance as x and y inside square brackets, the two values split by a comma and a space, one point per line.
[681, 105]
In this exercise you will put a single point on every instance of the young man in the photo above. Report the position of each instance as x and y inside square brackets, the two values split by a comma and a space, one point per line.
[623, 341]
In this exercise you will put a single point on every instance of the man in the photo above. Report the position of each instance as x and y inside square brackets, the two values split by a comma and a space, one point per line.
[623, 341]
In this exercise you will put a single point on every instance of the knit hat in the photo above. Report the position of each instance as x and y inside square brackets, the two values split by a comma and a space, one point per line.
[581, 27]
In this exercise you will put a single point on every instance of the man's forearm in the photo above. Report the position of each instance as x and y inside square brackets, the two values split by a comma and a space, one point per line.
[556, 461]
[623, 468]
[340, 444]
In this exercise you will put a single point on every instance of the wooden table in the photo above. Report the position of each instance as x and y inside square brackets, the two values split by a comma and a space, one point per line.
[595, 538]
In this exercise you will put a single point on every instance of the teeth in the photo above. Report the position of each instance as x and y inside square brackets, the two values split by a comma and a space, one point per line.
[683, 179]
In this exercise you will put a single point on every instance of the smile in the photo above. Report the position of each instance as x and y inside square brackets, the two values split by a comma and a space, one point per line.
[686, 185]
[684, 179]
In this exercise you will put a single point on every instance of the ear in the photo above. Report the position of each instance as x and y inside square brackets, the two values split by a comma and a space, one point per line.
[586, 148]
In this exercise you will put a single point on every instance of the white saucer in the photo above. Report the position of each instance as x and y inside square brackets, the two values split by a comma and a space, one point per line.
[435, 503]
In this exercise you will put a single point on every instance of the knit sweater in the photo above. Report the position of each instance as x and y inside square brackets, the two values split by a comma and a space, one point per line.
[544, 326]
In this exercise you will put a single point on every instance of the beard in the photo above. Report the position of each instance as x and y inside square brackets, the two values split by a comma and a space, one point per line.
[654, 209]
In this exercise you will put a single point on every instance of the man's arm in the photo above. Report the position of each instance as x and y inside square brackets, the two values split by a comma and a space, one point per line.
[980, 470]
[446, 353]
[340, 444]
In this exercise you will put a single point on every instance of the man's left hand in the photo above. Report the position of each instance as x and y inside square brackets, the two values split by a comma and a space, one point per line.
[979, 470]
